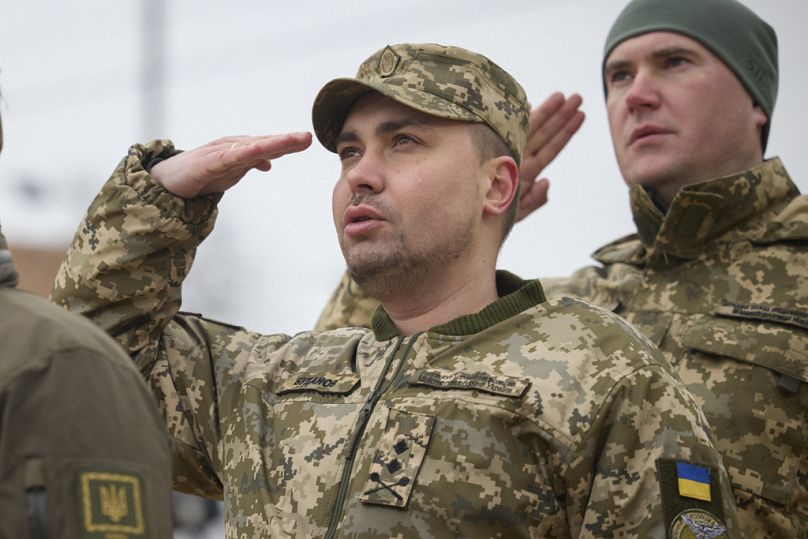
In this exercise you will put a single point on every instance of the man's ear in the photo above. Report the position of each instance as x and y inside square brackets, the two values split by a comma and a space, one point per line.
[502, 185]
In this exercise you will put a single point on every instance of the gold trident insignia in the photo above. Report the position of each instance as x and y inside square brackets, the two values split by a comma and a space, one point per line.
[113, 502]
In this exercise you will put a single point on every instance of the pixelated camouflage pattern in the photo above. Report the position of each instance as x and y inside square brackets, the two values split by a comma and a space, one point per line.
[349, 306]
[720, 284]
[579, 406]
[449, 82]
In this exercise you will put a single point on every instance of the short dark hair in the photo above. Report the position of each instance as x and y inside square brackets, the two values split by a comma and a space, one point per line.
[490, 145]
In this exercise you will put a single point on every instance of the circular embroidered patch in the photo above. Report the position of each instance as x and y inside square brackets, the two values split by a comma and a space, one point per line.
[696, 524]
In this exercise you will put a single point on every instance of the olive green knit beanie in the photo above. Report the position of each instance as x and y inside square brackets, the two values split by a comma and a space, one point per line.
[730, 30]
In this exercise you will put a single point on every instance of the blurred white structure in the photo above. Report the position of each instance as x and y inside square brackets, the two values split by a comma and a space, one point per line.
[72, 84]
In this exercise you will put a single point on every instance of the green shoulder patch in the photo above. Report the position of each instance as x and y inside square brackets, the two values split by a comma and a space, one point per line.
[111, 504]
[689, 489]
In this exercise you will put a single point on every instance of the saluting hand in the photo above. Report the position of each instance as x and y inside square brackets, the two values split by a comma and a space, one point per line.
[219, 165]
[552, 124]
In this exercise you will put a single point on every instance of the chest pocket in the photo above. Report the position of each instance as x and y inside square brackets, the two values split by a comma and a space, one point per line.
[751, 375]
[430, 420]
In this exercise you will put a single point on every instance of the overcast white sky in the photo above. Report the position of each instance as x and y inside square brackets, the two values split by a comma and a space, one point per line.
[72, 74]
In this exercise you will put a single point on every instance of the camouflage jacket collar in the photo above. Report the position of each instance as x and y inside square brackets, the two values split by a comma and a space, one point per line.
[8, 275]
[515, 296]
[704, 211]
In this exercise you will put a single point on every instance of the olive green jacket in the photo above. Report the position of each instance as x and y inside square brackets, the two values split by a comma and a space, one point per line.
[526, 419]
[82, 449]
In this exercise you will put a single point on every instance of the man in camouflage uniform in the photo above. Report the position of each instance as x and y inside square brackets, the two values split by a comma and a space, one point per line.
[83, 452]
[716, 274]
[472, 408]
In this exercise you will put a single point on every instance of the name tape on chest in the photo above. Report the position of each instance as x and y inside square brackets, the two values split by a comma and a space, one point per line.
[792, 317]
[497, 384]
[331, 383]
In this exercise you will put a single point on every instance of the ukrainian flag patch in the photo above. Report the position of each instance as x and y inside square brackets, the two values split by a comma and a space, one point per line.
[693, 481]
[690, 491]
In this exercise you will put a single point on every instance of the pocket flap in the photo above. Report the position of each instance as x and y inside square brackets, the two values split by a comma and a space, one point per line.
[776, 347]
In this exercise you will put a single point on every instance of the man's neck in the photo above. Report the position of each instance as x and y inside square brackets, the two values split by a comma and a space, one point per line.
[437, 301]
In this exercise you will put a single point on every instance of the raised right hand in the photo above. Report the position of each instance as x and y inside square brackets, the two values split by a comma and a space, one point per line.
[219, 165]
[552, 124]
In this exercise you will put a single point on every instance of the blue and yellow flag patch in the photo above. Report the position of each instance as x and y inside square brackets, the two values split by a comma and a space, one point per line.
[693, 481]
[691, 498]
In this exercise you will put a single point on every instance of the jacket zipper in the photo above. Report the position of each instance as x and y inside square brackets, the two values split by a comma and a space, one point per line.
[364, 416]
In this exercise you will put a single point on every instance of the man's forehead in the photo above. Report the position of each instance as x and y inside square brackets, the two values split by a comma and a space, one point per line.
[374, 109]
[651, 43]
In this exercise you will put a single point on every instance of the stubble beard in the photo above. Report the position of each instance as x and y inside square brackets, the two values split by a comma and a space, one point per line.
[396, 268]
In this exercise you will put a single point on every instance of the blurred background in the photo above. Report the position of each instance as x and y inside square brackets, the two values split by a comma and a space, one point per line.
[81, 81]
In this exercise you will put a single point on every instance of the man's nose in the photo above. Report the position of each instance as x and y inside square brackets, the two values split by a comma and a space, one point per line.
[367, 174]
[643, 93]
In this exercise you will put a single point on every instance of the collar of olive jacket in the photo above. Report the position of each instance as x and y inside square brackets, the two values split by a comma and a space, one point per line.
[8, 274]
[515, 296]
[704, 211]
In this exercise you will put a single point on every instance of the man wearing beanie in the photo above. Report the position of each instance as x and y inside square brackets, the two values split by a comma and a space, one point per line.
[473, 407]
[716, 274]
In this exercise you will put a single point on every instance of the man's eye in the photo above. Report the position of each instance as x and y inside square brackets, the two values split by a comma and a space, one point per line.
[347, 153]
[675, 61]
[403, 139]
[617, 77]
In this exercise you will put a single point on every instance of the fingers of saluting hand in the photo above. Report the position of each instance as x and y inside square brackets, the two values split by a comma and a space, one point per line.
[552, 124]
[218, 165]
[532, 197]
[263, 147]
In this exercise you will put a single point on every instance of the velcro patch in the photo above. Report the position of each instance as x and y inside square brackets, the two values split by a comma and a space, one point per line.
[688, 488]
[792, 317]
[489, 382]
[111, 504]
[327, 382]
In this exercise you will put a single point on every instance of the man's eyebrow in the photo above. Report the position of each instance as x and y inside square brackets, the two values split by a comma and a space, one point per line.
[616, 65]
[347, 136]
[386, 127]
[394, 125]
[667, 52]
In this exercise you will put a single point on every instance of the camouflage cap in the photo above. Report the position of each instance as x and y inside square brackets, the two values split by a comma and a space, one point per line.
[449, 82]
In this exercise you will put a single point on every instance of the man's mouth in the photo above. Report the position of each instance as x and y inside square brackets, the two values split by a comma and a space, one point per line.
[646, 131]
[360, 220]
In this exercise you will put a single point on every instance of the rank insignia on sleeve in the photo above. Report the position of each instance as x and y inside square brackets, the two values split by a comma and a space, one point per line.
[111, 504]
[691, 499]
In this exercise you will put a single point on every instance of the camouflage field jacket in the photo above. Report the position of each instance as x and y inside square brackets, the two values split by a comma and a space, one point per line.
[526, 419]
[720, 284]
